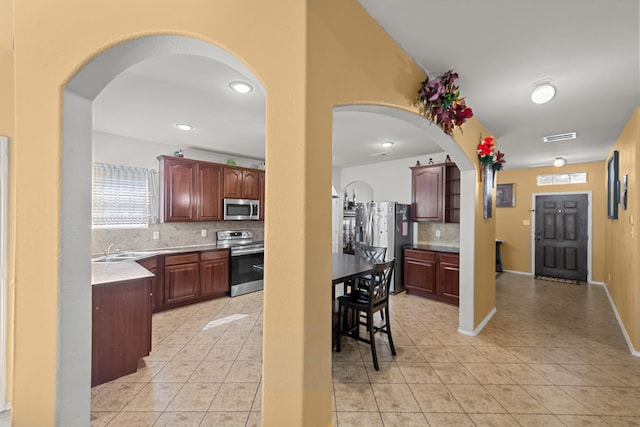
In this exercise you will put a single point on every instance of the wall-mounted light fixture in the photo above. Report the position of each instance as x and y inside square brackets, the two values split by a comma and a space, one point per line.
[543, 93]
[559, 162]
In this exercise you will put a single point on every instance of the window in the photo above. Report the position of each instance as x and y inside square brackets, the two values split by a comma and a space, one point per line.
[122, 197]
[563, 178]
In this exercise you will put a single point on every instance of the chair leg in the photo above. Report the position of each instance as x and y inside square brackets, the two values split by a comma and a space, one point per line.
[339, 333]
[388, 327]
[372, 338]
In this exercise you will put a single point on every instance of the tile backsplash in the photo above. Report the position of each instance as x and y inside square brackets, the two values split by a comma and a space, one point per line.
[449, 234]
[172, 234]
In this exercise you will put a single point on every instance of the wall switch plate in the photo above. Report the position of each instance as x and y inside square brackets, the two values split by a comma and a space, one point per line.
[526, 222]
[203, 233]
[156, 235]
[438, 234]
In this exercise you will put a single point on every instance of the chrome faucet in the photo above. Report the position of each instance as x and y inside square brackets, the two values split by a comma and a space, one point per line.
[108, 251]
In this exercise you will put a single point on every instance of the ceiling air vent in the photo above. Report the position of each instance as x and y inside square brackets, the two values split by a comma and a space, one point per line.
[377, 154]
[560, 137]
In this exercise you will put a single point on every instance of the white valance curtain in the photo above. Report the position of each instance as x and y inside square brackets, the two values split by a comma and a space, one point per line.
[123, 197]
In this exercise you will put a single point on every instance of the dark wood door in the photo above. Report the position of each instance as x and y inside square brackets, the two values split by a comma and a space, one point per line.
[214, 273]
[449, 277]
[561, 236]
[179, 190]
[420, 272]
[250, 185]
[428, 193]
[209, 192]
[232, 183]
[181, 277]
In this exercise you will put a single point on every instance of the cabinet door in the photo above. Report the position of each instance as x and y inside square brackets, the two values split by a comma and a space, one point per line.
[179, 192]
[209, 192]
[181, 280]
[121, 328]
[420, 272]
[214, 276]
[261, 185]
[232, 183]
[428, 193]
[250, 185]
[449, 277]
[157, 296]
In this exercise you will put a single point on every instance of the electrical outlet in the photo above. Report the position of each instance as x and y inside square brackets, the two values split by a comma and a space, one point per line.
[203, 233]
[156, 235]
[438, 233]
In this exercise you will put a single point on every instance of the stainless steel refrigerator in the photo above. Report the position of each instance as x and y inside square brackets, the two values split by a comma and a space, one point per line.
[386, 224]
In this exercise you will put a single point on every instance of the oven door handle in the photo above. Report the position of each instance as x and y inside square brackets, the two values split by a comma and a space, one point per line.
[247, 251]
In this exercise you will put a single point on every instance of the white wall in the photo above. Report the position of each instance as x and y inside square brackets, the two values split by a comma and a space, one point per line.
[391, 181]
[120, 150]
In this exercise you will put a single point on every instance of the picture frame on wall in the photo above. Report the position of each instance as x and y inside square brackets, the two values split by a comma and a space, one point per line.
[505, 196]
[613, 186]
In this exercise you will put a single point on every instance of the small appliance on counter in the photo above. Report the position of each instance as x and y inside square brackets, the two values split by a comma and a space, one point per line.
[387, 225]
[245, 254]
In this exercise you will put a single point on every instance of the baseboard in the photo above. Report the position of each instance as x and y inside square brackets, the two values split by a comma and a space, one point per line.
[523, 273]
[597, 283]
[480, 326]
[633, 351]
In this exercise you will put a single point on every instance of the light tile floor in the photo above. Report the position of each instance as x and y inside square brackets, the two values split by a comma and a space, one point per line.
[553, 355]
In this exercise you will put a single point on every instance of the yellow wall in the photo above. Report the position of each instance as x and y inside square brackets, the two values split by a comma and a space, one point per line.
[309, 61]
[622, 247]
[7, 129]
[484, 244]
[510, 226]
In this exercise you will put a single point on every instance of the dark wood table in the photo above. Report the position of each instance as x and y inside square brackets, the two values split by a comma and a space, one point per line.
[346, 267]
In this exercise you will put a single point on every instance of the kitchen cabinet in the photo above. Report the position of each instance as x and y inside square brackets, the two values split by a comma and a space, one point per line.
[214, 273]
[121, 328]
[436, 193]
[432, 274]
[241, 183]
[261, 195]
[151, 264]
[190, 190]
[181, 278]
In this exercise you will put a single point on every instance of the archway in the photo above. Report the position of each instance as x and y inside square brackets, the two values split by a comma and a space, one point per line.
[467, 203]
[74, 350]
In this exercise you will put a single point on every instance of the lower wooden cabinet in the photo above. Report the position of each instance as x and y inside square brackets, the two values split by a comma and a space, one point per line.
[432, 274]
[121, 328]
[183, 279]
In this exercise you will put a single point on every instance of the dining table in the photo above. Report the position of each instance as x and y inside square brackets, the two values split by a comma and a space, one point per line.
[345, 267]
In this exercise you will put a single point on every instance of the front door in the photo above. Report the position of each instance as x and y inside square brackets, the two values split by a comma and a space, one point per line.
[561, 236]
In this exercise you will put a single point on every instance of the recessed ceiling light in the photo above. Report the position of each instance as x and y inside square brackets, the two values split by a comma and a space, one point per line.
[241, 87]
[184, 126]
[387, 144]
[559, 162]
[543, 93]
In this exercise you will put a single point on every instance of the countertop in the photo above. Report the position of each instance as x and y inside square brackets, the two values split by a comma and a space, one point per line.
[434, 248]
[111, 272]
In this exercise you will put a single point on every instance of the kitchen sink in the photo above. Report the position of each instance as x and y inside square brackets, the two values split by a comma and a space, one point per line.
[122, 256]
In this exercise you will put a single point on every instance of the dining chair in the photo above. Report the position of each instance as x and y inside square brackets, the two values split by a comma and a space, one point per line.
[357, 308]
[371, 253]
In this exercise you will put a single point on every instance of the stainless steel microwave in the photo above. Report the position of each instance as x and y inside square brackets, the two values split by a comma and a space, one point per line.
[241, 209]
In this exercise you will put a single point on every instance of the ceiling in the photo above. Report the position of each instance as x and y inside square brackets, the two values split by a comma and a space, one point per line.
[588, 50]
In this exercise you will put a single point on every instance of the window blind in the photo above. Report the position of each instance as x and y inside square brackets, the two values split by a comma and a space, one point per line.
[121, 196]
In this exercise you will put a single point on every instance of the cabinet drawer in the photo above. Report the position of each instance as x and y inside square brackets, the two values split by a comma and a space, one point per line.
[449, 258]
[181, 259]
[420, 255]
[211, 255]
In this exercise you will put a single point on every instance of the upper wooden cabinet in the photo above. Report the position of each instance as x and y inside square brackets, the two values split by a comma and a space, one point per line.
[436, 193]
[241, 183]
[190, 190]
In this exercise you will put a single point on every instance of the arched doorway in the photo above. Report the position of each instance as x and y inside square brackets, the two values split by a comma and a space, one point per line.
[74, 349]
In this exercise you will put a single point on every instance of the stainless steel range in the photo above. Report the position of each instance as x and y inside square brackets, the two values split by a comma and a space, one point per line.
[245, 254]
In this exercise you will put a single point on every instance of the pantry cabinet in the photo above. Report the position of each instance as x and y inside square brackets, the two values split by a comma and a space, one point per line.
[432, 274]
[436, 193]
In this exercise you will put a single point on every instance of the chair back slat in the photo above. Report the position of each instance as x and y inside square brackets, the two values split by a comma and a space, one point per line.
[373, 253]
[380, 282]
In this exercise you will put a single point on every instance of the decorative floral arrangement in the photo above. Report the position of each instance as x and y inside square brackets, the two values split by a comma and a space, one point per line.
[439, 100]
[488, 155]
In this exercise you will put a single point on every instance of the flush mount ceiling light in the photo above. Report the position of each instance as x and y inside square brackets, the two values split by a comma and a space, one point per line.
[387, 144]
[543, 93]
[559, 162]
[241, 87]
[184, 126]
